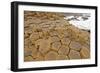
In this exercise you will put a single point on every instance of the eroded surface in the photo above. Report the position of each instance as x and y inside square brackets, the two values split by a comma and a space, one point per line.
[48, 36]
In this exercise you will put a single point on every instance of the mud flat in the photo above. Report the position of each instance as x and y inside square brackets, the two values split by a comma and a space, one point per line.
[48, 36]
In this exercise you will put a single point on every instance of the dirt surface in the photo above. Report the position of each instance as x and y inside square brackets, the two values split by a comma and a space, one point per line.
[48, 36]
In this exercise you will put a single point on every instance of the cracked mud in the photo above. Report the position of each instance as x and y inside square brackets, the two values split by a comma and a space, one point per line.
[48, 36]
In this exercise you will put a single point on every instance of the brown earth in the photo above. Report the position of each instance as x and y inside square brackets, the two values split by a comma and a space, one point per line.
[48, 36]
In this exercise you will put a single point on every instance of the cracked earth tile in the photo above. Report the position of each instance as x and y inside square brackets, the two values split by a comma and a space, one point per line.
[28, 58]
[44, 45]
[74, 54]
[55, 46]
[62, 57]
[34, 36]
[85, 53]
[75, 45]
[65, 41]
[84, 39]
[51, 55]
[27, 51]
[65, 34]
[53, 33]
[73, 29]
[73, 32]
[39, 57]
[33, 51]
[54, 39]
[63, 50]
[26, 35]
[26, 42]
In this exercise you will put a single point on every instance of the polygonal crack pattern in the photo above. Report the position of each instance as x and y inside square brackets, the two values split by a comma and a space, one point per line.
[48, 36]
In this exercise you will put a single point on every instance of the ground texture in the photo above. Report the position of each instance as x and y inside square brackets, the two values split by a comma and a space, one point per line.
[48, 36]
